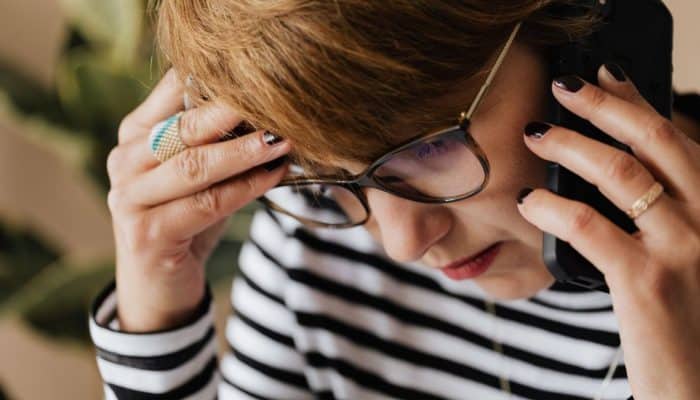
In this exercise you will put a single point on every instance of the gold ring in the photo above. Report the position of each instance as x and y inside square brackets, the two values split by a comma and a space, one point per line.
[645, 201]
[165, 138]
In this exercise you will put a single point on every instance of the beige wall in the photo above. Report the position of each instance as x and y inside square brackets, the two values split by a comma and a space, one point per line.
[686, 57]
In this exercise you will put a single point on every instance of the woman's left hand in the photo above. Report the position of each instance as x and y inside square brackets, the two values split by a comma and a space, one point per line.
[653, 274]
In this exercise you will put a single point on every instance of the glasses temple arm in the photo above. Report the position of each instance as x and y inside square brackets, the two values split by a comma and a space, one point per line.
[466, 116]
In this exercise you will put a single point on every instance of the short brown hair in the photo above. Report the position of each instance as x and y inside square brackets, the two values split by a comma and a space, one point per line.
[334, 76]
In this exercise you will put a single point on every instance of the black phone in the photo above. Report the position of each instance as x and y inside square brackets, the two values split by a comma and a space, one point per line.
[638, 36]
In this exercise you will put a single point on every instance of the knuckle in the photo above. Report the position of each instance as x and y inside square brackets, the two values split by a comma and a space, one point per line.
[597, 100]
[689, 252]
[661, 285]
[126, 125]
[624, 167]
[188, 125]
[251, 184]
[114, 161]
[171, 264]
[141, 231]
[208, 202]
[248, 149]
[191, 165]
[116, 200]
[582, 219]
[660, 130]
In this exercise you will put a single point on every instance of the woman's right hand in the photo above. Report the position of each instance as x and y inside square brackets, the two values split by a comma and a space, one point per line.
[168, 217]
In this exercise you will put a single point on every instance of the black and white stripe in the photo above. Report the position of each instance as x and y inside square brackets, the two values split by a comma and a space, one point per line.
[325, 314]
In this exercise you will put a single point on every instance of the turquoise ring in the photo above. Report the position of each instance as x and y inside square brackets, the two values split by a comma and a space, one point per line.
[165, 138]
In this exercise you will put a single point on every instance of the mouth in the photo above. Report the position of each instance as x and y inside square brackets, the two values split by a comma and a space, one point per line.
[472, 266]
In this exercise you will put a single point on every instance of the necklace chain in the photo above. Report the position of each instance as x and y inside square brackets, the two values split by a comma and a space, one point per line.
[505, 382]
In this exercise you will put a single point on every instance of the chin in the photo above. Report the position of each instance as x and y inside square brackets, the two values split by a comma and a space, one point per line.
[513, 285]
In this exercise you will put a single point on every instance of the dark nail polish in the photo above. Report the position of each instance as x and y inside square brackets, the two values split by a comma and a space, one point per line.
[523, 193]
[616, 71]
[570, 83]
[270, 138]
[536, 129]
[274, 164]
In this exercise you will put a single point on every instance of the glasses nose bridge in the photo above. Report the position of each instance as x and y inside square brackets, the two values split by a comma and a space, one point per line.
[367, 180]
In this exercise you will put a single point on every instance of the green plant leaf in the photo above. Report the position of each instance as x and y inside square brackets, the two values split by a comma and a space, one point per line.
[223, 263]
[239, 224]
[95, 97]
[23, 255]
[56, 302]
[116, 25]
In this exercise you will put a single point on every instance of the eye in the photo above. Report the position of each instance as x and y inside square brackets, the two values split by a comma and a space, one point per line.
[431, 149]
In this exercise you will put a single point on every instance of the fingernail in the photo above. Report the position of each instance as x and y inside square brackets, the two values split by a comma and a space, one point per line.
[616, 71]
[274, 164]
[536, 129]
[270, 138]
[570, 83]
[523, 193]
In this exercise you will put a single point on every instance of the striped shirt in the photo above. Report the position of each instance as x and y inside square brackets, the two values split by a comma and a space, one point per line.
[321, 313]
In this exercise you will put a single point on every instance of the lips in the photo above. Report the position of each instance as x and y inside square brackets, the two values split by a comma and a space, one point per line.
[472, 266]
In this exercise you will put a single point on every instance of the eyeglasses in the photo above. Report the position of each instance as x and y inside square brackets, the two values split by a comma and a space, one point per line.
[439, 167]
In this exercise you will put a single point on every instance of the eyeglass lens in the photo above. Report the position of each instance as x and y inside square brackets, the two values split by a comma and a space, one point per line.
[442, 167]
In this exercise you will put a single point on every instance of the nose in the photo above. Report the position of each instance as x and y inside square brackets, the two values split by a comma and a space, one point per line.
[407, 229]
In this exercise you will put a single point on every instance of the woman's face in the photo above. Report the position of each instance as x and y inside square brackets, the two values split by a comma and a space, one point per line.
[437, 235]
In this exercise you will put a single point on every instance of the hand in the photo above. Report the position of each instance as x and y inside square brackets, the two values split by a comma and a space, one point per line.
[654, 274]
[168, 217]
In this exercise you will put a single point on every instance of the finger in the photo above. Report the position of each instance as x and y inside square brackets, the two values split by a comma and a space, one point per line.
[613, 78]
[652, 138]
[199, 167]
[183, 218]
[617, 174]
[129, 159]
[166, 99]
[604, 244]
[208, 123]
[136, 155]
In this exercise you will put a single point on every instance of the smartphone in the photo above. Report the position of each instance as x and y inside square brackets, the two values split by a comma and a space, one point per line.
[637, 35]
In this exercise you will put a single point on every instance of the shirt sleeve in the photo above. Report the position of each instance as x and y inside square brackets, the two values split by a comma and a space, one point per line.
[260, 362]
[177, 363]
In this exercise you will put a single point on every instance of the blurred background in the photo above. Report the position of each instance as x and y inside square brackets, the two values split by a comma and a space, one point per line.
[69, 71]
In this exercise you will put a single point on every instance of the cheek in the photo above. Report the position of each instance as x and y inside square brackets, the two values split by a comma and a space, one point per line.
[513, 167]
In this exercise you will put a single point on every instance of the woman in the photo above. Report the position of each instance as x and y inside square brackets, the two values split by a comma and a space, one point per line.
[415, 298]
